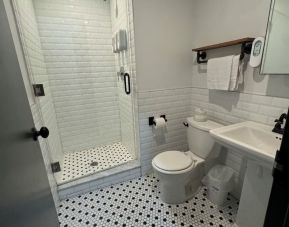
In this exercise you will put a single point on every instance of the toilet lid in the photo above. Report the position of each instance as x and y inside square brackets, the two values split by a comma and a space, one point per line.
[172, 161]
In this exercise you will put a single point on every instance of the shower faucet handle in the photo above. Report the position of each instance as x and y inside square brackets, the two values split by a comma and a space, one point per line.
[121, 72]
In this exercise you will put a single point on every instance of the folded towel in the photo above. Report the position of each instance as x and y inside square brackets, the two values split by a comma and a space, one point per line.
[234, 81]
[225, 73]
[219, 73]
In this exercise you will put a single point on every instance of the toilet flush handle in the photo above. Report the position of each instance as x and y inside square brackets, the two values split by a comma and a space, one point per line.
[186, 124]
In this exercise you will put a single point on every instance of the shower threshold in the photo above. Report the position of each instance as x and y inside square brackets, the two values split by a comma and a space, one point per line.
[87, 162]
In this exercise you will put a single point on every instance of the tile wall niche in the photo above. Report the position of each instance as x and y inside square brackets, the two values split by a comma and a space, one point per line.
[122, 19]
[76, 42]
[35, 67]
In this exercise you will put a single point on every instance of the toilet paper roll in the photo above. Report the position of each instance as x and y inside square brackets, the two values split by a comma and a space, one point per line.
[160, 123]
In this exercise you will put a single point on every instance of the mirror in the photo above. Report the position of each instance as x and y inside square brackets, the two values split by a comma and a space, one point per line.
[276, 51]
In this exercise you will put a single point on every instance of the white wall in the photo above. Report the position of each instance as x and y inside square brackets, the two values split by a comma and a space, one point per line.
[260, 98]
[227, 20]
[76, 42]
[224, 20]
[163, 39]
[170, 82]
[220, 25]
[175, 104]
[165, 33]
[163, 36]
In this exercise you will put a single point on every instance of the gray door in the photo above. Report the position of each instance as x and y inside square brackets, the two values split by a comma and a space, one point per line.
[25, 196]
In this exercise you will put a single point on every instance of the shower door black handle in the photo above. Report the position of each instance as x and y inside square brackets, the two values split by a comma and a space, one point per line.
[126, 80]
[43, 132]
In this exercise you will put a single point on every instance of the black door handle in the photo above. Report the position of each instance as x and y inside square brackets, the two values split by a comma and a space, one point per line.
[43, 132]
[127, 89]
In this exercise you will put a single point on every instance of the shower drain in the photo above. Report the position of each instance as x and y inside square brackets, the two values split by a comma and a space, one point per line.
[94, 164]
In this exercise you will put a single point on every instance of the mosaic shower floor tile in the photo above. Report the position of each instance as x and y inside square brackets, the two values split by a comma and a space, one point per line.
[86, 162]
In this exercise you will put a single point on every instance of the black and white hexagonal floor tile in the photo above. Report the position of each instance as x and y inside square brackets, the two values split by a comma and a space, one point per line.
[137, 203]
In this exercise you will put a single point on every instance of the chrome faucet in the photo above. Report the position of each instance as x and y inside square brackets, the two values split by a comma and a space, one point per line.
[279, 122]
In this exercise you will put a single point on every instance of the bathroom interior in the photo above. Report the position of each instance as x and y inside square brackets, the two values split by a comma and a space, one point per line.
[144, 113]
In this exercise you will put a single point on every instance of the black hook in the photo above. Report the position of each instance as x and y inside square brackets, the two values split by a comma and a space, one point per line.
[245, 49]
[186, 124]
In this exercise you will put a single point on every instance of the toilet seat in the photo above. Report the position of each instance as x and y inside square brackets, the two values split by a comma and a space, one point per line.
[174, 162]
[182, 180]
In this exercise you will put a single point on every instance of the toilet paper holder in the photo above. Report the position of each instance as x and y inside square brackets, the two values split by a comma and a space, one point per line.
[152, 120]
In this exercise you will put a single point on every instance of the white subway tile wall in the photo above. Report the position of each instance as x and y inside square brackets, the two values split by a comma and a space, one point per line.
[112, 176]
[127, 105]
[234, 107]
[124, 20]
[224, 107]
[34, 60]
[176, 105]
[76, 42]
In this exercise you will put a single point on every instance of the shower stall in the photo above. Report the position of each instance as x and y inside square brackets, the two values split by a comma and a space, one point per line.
[73, 82]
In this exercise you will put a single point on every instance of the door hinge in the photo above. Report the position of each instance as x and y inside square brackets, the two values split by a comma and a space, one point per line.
[38, 90]
[55, 166]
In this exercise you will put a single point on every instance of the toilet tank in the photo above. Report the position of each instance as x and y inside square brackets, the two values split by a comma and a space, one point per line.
[199, 138]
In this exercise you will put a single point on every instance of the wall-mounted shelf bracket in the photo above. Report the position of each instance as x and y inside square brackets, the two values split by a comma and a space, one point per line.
[245, 48]
[201, 55]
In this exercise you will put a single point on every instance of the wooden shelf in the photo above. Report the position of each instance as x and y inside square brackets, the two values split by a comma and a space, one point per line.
[225, 44]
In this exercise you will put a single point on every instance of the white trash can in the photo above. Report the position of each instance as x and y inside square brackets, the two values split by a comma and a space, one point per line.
[220, 181]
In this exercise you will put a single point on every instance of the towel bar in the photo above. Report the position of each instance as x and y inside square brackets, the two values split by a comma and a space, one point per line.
[245, 48]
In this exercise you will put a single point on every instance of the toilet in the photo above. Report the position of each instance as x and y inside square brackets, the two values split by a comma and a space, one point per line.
[180, 173]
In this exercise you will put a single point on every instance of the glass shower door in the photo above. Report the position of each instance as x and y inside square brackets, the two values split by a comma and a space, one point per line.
[87, 108]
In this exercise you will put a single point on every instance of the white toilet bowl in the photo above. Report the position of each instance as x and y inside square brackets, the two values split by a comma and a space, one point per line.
[179, 172]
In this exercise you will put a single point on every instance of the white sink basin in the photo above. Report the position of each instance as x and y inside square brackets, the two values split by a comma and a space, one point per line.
[256, 139]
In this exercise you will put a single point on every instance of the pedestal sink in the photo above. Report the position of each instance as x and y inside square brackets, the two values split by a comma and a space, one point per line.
[256, 139]
[258, 144]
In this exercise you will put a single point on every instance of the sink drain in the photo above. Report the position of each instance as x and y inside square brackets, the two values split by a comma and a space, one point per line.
[94, 164]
